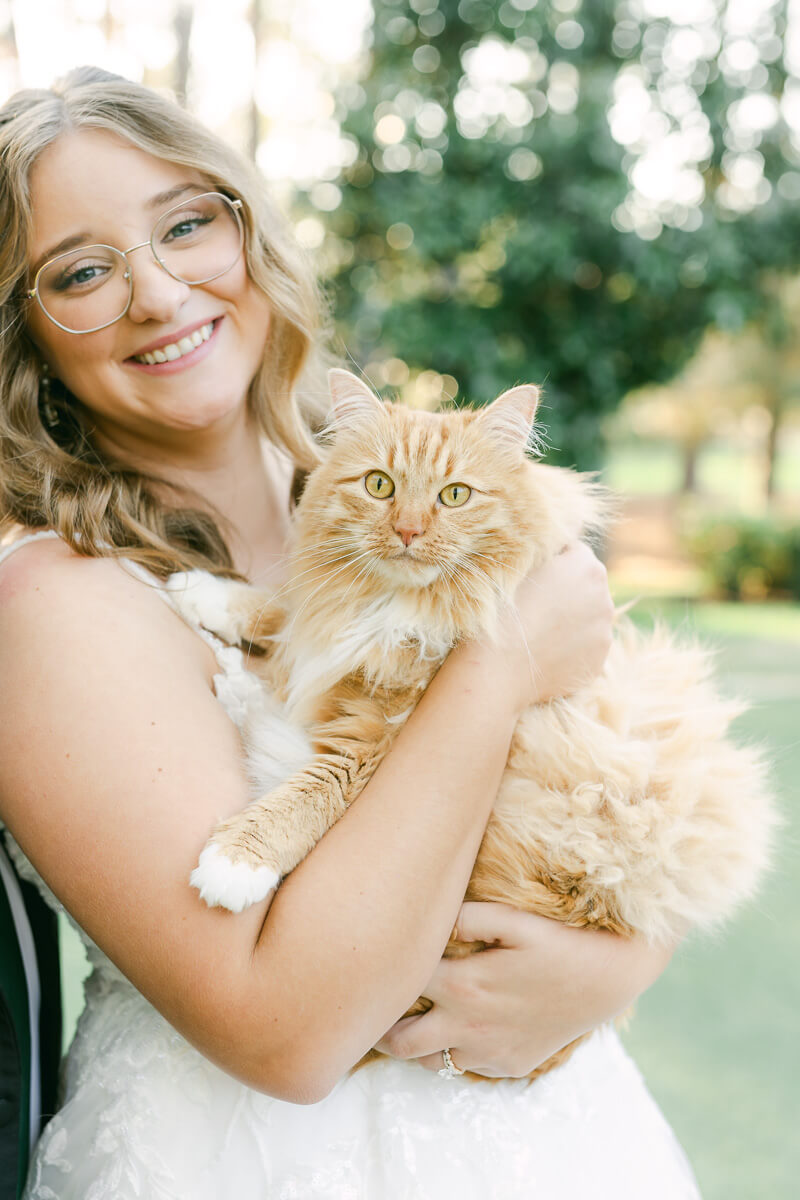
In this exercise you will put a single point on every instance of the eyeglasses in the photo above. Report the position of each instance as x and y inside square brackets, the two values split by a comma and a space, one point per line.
[92, 287]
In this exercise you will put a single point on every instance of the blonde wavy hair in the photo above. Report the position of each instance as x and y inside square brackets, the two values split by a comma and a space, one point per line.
[51, 474]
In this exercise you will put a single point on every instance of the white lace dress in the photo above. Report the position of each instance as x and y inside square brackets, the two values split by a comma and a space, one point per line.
[145, 1117]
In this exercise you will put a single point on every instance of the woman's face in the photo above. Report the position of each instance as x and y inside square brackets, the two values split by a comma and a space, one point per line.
[95, 185]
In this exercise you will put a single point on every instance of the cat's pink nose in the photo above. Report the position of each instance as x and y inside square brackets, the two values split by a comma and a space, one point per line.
[407, 532]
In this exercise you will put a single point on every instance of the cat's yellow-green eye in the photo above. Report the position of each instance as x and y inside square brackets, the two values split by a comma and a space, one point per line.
[455, 494]
[379, 485]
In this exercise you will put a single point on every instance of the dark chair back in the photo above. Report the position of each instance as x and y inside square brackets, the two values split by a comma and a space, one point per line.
[30, 1023]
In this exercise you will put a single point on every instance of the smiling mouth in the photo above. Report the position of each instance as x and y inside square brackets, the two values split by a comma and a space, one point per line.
[175, 350]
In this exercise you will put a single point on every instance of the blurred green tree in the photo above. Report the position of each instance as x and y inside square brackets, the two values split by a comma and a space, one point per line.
[743, 384]
[544, 191]
[707, 397]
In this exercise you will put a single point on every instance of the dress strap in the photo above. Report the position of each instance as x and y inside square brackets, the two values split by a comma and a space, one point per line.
[132, 568]
[226, 655]
[39, 536]
[235, 687]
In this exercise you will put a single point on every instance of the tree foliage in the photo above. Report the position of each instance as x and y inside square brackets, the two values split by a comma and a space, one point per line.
[493, 229]
[745, 382]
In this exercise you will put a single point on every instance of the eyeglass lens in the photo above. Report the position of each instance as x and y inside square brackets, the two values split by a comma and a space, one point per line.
[195, 242]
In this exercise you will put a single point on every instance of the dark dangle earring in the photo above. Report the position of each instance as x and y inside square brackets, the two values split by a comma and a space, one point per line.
[46, 404]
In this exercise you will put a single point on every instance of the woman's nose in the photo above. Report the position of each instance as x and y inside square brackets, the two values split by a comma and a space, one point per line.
[157, 295]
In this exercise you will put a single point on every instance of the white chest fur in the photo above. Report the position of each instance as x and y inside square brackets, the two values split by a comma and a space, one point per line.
[371, 637]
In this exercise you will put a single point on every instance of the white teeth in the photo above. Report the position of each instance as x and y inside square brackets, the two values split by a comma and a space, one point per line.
[178, 349]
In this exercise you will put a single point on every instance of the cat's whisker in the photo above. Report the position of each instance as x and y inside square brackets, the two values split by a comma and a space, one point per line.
[468, 561]
[480, 573]
[349, 561]
[465, 565]
[318, 588]
[516, 573]
[508, 603]
[331, 575]
[324, 559]
[333, 545]
[287, 589]
[365, 570]
[452, 575]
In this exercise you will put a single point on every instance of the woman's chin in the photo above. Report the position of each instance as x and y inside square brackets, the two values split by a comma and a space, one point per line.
[209, 415]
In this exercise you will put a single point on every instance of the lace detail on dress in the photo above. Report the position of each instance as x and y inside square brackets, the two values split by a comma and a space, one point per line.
[148, 1118]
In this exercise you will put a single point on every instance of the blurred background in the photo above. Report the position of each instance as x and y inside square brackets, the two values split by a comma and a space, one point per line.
[603, 197]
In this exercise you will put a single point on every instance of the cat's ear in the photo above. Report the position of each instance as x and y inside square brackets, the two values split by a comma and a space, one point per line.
[353, 402]
[510, 417]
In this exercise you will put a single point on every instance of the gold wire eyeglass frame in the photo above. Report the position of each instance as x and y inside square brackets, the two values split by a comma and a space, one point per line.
[234, 205]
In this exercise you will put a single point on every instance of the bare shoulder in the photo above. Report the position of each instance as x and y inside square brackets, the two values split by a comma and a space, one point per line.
[48, 567]
[50, 593]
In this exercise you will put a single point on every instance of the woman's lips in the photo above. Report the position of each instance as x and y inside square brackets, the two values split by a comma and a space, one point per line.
[178, 364]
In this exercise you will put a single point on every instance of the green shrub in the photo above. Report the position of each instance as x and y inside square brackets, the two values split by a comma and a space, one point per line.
[748, 559]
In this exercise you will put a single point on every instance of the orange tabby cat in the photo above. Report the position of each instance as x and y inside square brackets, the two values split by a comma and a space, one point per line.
[626, 806]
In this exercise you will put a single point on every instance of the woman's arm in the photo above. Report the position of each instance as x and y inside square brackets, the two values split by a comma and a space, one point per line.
[116, 760]
[537, 986]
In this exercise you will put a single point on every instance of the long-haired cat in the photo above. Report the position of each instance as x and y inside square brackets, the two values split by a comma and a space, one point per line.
[625, 806]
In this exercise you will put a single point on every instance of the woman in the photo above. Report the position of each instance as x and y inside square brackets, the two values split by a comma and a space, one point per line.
[157, 382]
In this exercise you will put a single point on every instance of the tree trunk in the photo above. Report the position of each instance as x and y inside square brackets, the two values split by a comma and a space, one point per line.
[691, 453]
[183, 34]
[771, 451]
[9, 37]
[254, 123]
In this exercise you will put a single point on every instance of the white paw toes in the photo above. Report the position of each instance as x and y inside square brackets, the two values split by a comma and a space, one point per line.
[232, 885]
[204, 599]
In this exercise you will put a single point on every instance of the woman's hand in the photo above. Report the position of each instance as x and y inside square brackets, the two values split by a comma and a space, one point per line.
[558, 635]
[504, 1011]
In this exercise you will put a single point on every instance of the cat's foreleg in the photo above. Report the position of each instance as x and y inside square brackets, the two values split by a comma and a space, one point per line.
[249, 853]
[234, 611]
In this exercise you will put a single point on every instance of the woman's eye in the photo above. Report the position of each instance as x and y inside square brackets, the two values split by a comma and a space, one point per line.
[185, 228]
[378, 485]
[81, 276]
[455, 494]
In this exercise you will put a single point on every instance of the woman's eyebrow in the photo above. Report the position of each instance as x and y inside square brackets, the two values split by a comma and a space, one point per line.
[171, 194]
[68, 243]
[83, 239]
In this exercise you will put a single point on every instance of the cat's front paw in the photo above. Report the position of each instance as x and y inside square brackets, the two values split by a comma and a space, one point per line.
[223, 883]
[204, 599]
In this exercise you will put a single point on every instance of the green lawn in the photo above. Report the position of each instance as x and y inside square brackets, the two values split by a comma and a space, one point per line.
[717, 1037]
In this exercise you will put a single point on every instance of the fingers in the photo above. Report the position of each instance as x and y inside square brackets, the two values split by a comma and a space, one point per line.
[415, 1037]
[435, 1062]
[481, 1002]
[423, 1039]
[494, 924]
[461, 982]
